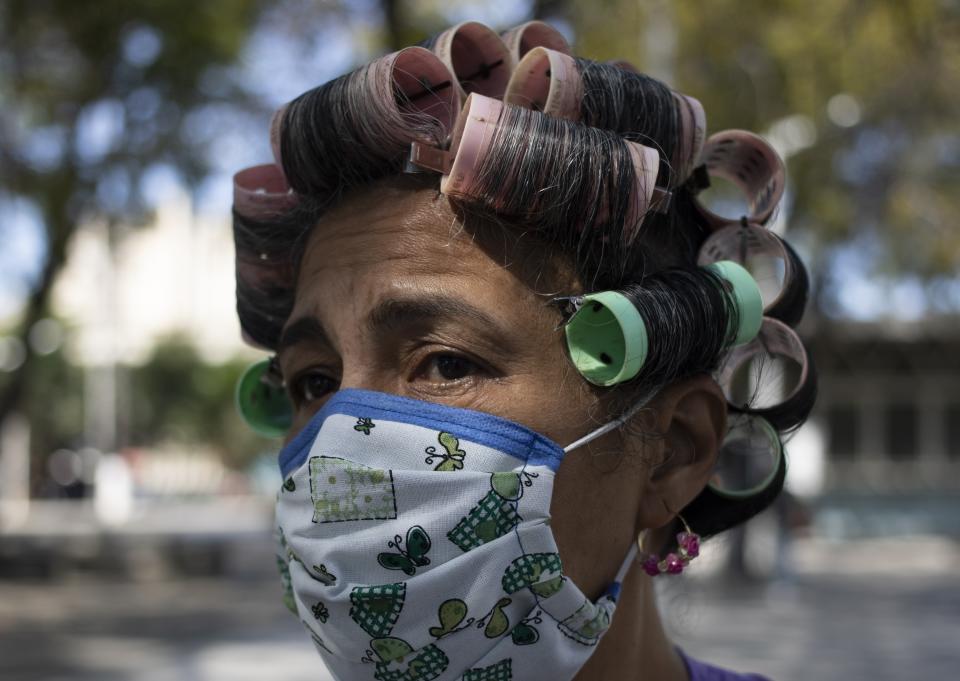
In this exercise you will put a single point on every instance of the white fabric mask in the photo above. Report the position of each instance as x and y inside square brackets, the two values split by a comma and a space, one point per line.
[416, 545]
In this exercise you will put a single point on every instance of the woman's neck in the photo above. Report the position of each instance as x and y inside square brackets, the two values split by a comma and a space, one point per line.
[635, 648]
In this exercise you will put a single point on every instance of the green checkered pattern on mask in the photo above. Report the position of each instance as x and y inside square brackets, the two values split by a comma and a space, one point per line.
[429, 663]
[376, 608]
[529, 569]
[491, 518]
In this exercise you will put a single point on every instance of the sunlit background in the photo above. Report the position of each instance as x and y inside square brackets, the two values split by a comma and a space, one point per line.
[135, 507]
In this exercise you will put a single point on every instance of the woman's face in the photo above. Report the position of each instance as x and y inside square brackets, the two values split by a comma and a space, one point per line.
[394, 295]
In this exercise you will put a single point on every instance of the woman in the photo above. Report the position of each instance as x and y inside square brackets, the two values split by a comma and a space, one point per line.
[512, 396]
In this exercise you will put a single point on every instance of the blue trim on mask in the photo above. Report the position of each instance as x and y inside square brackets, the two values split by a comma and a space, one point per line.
[481, 428]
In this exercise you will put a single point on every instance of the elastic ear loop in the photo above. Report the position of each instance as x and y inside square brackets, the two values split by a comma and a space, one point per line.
[261, 402]
[776, 451]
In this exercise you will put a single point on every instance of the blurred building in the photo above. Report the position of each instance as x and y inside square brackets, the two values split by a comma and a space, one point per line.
[124, 289]
[889, 410]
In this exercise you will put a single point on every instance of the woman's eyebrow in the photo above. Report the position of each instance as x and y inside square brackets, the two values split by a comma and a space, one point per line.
[393, 313]
[301, 330]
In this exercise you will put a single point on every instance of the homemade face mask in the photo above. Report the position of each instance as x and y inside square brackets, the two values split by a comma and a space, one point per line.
[415, 544]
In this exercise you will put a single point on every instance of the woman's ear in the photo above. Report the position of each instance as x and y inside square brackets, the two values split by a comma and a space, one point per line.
[692, 416]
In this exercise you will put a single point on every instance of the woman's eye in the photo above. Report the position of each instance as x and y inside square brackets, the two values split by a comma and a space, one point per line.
[449, 368]
[311, 386]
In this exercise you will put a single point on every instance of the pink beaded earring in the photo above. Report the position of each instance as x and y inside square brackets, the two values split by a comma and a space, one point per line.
[689, 548]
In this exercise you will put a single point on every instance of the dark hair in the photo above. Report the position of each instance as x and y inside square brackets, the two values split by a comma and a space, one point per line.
[568, 182]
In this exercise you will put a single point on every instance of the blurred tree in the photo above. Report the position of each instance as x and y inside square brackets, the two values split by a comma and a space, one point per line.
[94, 96]
[864, 97]
[175, 397]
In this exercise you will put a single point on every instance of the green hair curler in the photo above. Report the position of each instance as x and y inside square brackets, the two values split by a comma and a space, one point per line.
[741, 471]
[607, 338]
[746, 294]
[261, 402]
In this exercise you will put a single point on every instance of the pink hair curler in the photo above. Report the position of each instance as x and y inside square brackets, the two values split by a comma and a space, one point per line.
[261, 192]
[764, 255]
[693, 132]
[770, 376]
[549, 81]
[470, 143]
[693, 129]
[751, 164]
[275, 122]
[476, 55]
[410, 81]
[523, 38]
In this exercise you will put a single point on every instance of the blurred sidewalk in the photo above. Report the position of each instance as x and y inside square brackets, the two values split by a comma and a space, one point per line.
[852, 611]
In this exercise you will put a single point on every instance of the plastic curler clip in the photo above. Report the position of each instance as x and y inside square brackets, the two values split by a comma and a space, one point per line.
[606, 338]
[262, 401]
[699, 180]
[424, 158]
[661, 200]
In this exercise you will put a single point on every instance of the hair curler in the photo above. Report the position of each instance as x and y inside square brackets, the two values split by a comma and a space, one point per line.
[260, 192]
[608, 340]
[749, 459]
[693, 132]
[746, 297]
[747, 376]
[415, 97]
[470, 143]
[262, 401]
[525, 37]
[549, 81]
[751, 164]
[476, 56]
[770, 260]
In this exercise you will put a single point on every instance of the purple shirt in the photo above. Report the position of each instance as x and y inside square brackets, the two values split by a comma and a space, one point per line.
[700, 671]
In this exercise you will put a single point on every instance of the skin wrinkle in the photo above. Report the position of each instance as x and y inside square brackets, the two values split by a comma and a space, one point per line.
[400, 245]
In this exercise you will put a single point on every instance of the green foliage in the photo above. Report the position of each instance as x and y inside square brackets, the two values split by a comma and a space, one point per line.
[53, 404]
[176, 397]
[92, 96]
[893, 176]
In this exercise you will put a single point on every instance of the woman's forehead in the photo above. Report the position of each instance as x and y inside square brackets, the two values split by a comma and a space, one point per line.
[410, 242]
